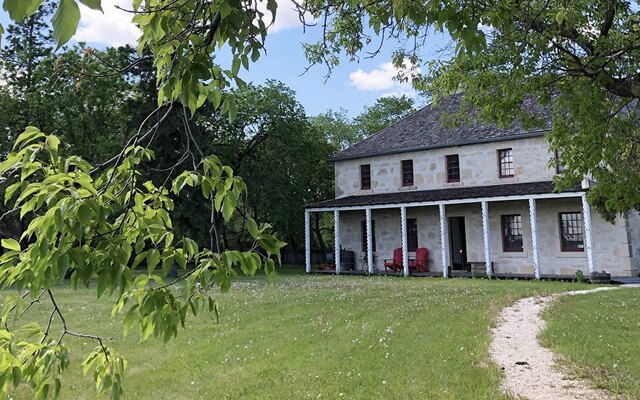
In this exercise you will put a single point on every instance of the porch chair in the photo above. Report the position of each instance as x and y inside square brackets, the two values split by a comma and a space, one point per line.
[396, 263]
[421, 262]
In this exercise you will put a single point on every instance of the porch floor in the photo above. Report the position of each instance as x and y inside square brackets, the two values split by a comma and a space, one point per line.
[466, 274]
[626, 280]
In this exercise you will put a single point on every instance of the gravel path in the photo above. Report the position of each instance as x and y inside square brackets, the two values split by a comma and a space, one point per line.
[530, 370]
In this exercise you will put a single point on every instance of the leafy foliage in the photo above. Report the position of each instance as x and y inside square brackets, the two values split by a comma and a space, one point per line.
[343, 131]
[102, 229]
[383, 113]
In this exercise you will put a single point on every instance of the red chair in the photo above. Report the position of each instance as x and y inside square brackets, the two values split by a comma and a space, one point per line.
[421, 262]
[396, 263]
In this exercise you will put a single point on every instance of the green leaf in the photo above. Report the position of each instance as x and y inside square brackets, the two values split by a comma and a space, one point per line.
[253, 228]
[17, 376]
[30, 133]
[93, 4]
[84, 214]
[560, 17]
[227, 209]
[20, 9]
[11, 190]
[53, 142]
[153, 257]
[65, 21]
[103, 283]
[11, 244]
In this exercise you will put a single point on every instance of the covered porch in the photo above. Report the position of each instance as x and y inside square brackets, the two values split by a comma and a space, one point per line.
[459, 227]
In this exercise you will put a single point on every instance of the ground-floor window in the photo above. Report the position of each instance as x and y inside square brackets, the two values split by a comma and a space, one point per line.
[412, 234]
[512, 233]
[571, 231]
[364, 235]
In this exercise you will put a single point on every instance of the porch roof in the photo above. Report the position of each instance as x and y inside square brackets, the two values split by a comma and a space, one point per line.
[442, 195]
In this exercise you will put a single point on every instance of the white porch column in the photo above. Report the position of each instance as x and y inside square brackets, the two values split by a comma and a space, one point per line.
[336, 219]
[307, 240]
[485, 238]
[533, 218]
[588, 242]
[443, 240]
[369, 241]
[405, 247]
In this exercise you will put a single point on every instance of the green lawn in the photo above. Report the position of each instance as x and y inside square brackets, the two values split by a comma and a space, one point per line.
[315, 337]
[599, 335]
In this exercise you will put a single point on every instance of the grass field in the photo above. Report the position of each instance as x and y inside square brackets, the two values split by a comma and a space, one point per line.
[311, 337]
[599, 336]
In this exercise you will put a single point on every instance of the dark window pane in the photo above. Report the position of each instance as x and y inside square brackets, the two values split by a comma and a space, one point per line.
[453, 168]
[364, 235]
[571, 232]
[512, 233]
[407, 173]
[365, 177]
[412, 234]
[505, 163]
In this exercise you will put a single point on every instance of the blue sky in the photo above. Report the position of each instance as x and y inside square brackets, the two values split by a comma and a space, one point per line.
[352, 85]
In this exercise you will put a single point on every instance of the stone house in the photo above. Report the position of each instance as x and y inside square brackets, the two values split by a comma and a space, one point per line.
[473, 194]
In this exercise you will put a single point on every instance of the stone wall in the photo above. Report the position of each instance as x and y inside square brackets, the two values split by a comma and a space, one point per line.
[478, 167]
[611, 241]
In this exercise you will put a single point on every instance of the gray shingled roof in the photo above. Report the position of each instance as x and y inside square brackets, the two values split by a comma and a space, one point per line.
[459, 193]
[427, 129]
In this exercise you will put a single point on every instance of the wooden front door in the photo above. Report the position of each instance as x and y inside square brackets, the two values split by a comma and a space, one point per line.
[458, 243]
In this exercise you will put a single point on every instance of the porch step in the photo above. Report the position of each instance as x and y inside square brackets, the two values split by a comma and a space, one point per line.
[626, 280]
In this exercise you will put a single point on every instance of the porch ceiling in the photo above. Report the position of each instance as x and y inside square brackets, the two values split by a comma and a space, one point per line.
[458, 193]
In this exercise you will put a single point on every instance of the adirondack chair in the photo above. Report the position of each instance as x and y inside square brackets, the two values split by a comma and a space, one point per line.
[394, 264]
[421, 262]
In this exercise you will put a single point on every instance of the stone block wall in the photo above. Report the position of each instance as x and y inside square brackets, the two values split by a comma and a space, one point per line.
[478, 167]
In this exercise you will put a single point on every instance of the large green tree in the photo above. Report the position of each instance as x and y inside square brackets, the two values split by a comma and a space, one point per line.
[342, 131]
[273, 146]
[582, 56]
[385, 111]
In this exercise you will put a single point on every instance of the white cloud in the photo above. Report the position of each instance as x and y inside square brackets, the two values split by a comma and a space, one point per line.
[385, 77]
[113, 28]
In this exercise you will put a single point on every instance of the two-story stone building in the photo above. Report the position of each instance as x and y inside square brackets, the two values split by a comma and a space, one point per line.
[471, 194]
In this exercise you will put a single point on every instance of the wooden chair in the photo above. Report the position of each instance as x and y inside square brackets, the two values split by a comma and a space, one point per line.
[394, 264]
[421, 262]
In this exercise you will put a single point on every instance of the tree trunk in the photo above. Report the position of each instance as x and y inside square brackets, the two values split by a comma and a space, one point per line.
[318, 232]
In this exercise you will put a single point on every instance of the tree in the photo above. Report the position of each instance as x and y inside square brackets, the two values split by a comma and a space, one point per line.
[26, 44]
[272, 145]
[343, 131]
[293, 155]
[386, 111]
[338, 128]
[74, 93]
[582, 57]
[100, 221]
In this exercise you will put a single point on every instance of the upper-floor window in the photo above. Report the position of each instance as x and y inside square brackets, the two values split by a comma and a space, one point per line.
[558, 162]
[407, 172]
[412, 234]
[505, 163]
[363, 228]
[512, 233]
[571, 232]
[365, 177]
[453, 168]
